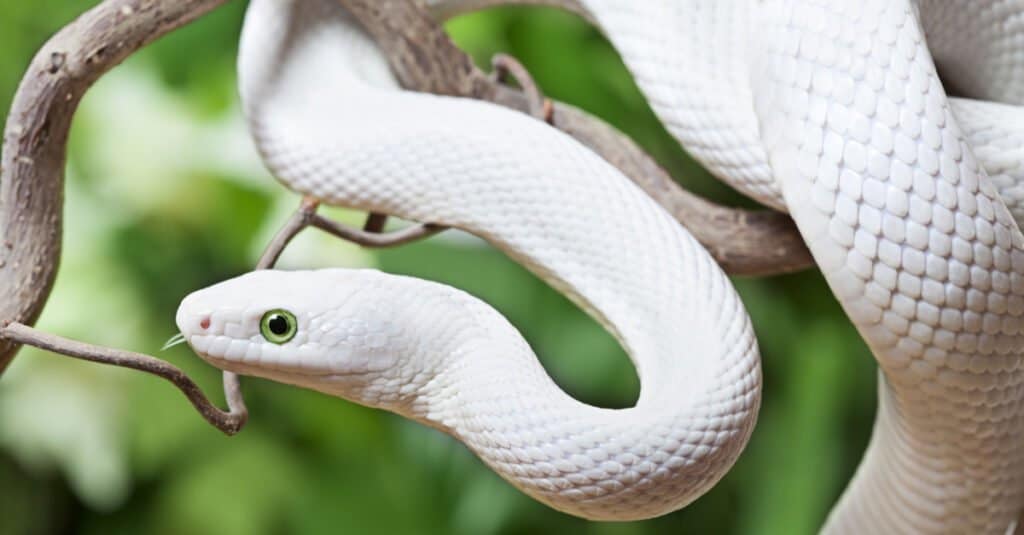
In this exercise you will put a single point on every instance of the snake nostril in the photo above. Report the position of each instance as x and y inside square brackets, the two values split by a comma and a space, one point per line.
[204, 323]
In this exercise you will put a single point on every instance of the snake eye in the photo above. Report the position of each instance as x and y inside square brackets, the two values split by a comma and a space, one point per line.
[278, 326]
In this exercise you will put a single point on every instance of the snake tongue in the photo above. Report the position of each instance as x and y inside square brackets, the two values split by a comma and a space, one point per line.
[177, 339]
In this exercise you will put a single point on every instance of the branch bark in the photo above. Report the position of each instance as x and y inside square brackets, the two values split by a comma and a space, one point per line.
[423, 58]
[35, 139]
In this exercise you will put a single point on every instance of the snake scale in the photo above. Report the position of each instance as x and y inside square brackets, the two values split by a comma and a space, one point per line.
[832, 110]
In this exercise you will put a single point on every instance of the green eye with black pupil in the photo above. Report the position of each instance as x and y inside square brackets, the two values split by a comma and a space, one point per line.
[278, 326]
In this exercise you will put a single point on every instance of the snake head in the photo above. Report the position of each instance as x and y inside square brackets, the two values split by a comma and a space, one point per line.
[318, 329]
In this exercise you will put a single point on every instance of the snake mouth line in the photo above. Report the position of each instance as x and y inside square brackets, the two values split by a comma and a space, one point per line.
[259, 370]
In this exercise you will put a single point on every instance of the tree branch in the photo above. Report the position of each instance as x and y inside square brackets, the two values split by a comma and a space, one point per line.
[371, 235]
[298, 221]
[35, 138]
[423, 58]
[376, 239]
[506, 66]
[32, 180]
[229, 422]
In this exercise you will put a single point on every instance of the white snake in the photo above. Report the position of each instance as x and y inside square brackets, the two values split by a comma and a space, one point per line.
[829, 109]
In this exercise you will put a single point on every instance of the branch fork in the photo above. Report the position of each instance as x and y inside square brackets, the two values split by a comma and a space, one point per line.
[505, 67]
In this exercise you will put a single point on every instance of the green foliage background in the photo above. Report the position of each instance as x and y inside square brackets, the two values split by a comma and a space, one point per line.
[165, 195]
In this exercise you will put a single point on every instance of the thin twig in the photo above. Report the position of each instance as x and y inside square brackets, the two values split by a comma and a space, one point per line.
[296, 223]
[229, 422]
[374, 239]
[505, 66]
[306, 216]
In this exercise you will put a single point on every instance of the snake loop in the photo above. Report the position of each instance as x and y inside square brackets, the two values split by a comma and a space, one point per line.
[830, 109]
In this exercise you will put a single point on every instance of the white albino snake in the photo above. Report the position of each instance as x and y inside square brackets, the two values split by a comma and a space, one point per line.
[830, 109]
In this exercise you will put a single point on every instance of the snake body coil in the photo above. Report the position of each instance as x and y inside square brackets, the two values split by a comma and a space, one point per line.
[832, 110]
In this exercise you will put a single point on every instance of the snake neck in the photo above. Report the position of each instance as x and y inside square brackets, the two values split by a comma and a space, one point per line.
[452, 362]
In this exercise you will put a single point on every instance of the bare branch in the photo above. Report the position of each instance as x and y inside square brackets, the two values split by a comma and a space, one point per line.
[371, 235]
[505, 66]
[229, 422]
[423, 58]
[296, 223]
[375, 239]
[35, 138]
[32, 180]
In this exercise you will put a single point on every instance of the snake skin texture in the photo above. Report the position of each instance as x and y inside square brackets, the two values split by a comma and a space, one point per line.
[996, 133]
[350, 137]
[830, 109]
[978, 46]
[917, 246]
[693, 68]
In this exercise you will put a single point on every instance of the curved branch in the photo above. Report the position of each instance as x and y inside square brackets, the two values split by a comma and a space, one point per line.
[506, 66]
[230, 422]
[375, 239]
[423, 58]
[296, 223]
[35, 138]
